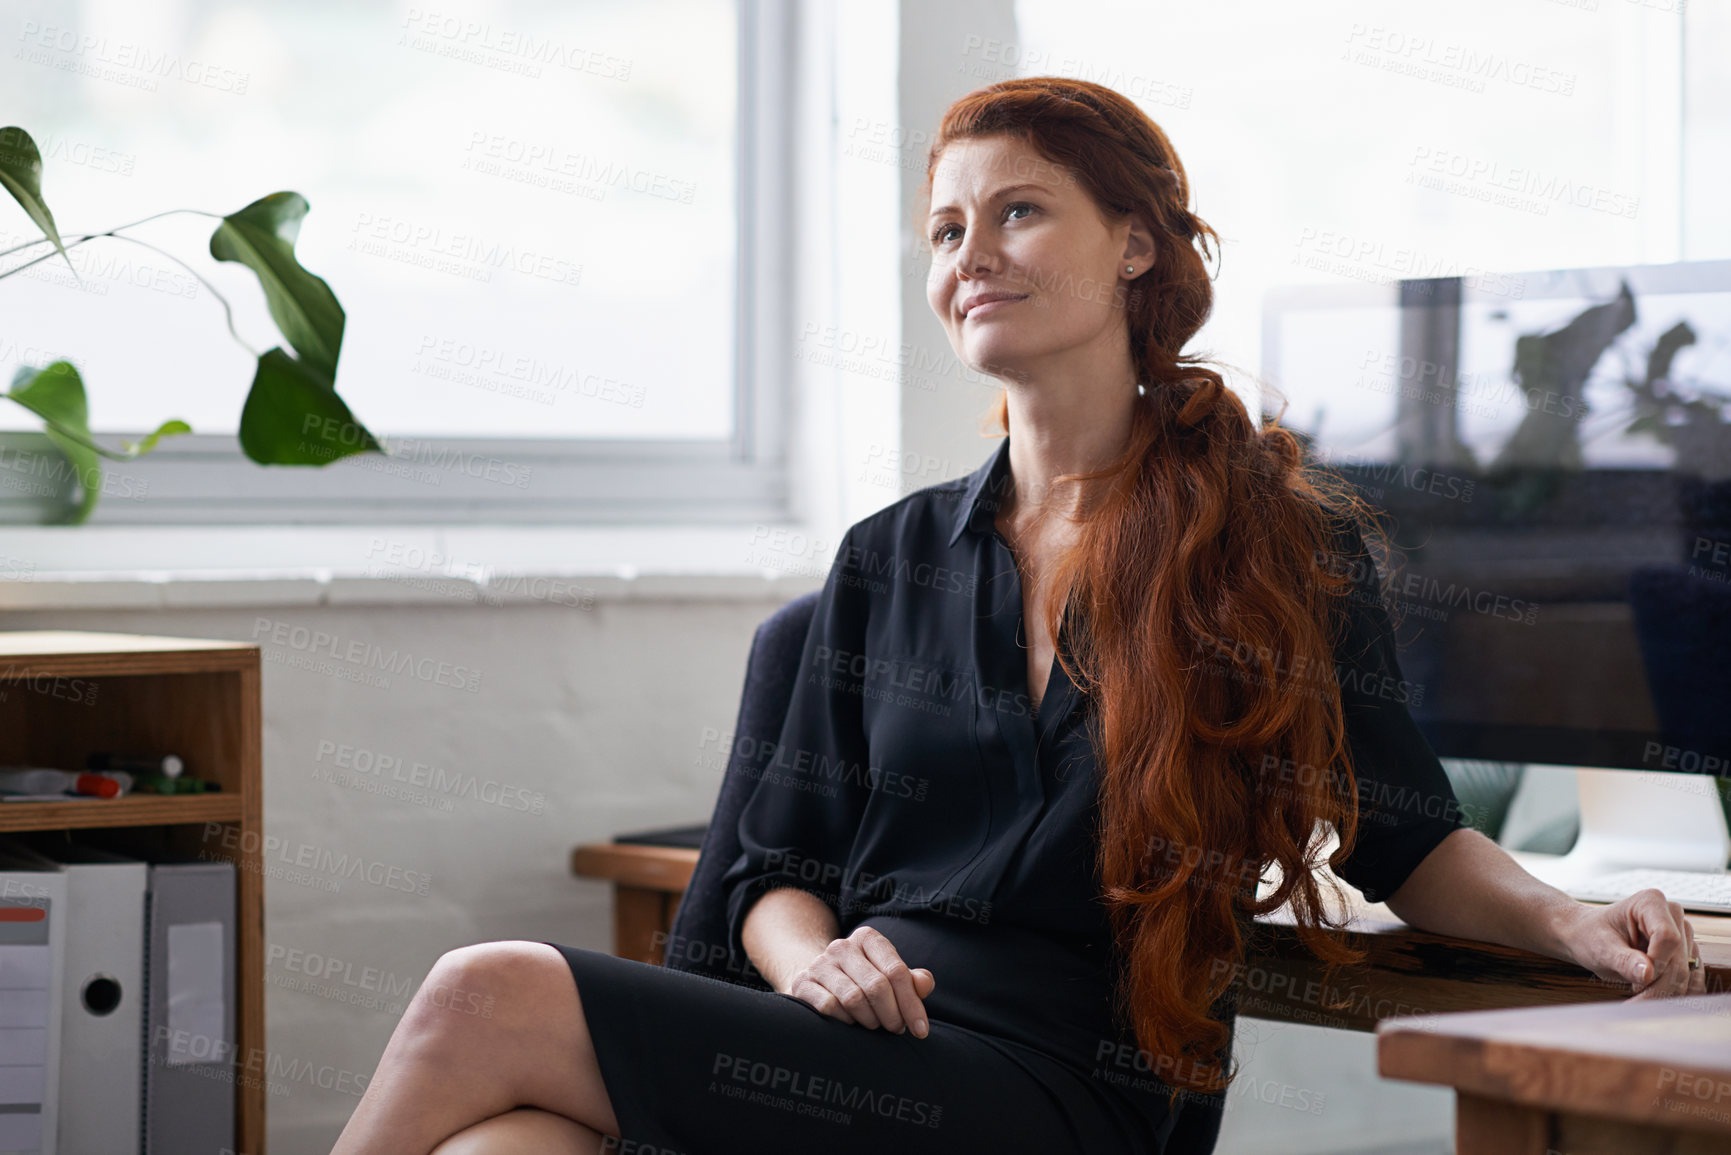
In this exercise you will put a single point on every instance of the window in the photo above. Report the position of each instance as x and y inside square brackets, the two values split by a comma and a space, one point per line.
[550, 226]
[1341, 140]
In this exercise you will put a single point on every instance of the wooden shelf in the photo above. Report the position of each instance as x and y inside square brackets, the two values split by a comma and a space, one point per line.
[66, 643]
[66, 695]
[131, 810]
[70, 653]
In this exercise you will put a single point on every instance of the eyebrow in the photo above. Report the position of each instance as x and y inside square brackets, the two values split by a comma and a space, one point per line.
[1003, 192]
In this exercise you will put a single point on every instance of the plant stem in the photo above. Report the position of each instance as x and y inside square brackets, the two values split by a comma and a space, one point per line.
[87, 236]
[226, 311]
[115, 233]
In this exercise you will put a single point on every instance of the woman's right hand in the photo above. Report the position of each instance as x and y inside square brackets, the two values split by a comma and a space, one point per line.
[862, 979]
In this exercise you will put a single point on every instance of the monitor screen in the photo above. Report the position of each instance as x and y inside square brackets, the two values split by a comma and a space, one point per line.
[1551, 455]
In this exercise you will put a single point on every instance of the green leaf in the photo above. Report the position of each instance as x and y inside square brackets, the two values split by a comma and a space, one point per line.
[262, 237]
[21, 173]
[56, 394]
[88, 467]
[293, 416]
[168, 428]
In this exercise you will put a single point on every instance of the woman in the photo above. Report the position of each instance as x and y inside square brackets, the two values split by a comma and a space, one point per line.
[1052, 723]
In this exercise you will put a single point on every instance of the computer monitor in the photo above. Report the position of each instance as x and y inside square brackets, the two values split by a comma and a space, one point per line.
[1551, 452]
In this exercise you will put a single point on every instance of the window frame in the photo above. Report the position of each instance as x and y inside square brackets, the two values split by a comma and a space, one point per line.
[207, 480]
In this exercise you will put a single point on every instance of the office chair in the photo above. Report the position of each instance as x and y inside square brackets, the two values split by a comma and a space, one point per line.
[698, 939]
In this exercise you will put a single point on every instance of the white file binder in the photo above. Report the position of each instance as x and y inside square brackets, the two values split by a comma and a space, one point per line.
[32, 960]
[102, 995]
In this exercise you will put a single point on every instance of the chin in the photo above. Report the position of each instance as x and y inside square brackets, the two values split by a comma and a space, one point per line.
[997, 358]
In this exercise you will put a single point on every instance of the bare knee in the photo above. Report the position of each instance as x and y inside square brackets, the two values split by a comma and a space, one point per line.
[510, 1012]
[492, 984]
[469, 979]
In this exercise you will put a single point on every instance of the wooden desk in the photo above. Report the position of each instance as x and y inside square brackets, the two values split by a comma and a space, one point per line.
[1407, 971]
[1642, 1077]
[648, 882]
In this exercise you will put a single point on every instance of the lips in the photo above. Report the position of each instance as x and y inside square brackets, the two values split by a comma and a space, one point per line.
[984, 299]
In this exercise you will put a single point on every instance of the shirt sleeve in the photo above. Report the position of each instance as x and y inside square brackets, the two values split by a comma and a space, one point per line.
[798, 826]
[1406, 802]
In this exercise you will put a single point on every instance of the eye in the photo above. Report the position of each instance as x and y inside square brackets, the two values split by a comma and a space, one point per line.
[937, 236]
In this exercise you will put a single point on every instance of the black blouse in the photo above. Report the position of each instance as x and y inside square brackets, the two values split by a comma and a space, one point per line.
[913, 778]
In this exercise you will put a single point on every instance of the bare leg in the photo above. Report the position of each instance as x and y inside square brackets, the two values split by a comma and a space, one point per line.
[524, 1131]
[495, 1026]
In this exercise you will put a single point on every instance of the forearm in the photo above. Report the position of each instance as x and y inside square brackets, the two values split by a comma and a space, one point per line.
[1469, 887]
[785, 929]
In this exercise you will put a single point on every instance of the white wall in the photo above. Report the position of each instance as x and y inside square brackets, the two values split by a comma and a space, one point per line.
[944, 403]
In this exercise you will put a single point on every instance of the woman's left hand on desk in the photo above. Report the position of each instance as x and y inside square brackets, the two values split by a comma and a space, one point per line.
[1643, 940]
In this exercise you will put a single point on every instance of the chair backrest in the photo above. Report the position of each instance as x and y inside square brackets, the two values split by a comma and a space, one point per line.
[698, 939]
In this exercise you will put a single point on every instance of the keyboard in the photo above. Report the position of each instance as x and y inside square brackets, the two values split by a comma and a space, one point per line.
[1695, 890]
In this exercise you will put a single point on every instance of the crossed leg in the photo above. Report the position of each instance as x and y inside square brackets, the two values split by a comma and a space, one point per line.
[492, 1057]
[524, 1131]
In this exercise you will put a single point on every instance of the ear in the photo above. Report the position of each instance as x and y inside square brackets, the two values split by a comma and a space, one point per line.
[1139, 246]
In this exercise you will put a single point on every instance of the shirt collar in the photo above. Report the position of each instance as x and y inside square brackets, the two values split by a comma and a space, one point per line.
[987, 488]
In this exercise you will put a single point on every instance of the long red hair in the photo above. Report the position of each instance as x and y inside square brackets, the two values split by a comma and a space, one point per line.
[1206, 575]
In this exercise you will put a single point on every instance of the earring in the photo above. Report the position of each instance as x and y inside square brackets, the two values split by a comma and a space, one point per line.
[1129, 268]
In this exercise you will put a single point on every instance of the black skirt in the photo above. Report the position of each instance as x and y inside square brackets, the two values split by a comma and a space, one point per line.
[697, 1066]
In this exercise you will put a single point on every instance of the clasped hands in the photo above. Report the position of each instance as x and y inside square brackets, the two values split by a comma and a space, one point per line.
[862, 979]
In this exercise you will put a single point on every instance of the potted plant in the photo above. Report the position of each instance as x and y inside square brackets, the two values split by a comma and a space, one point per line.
[293, 389]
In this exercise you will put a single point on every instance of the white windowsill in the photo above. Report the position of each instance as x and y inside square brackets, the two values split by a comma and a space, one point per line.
[154, 567]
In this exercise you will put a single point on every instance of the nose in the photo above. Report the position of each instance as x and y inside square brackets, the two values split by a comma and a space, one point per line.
[974, 255]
